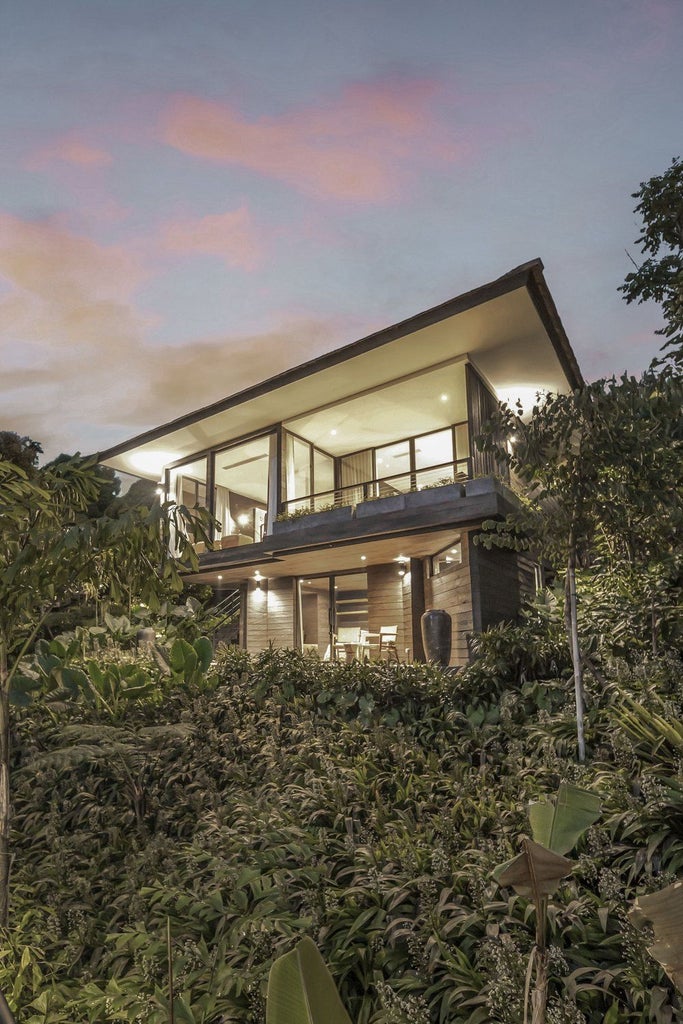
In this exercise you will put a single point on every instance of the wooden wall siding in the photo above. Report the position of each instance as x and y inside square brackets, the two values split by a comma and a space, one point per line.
[452, 590]
[270, 615]
[405, 651]
[385, 603]
[500, 581]
[481, 405]
[323, 609]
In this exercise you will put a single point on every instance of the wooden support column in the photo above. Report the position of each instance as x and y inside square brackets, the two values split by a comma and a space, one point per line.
[417, 606]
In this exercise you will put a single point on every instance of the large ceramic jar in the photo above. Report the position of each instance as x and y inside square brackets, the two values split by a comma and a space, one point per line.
[437, 627]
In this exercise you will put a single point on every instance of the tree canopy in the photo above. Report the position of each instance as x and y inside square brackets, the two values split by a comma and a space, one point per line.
[22, 451]
[660, 276]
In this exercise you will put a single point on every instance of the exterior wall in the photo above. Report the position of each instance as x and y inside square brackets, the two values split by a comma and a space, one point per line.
[388, 595]
[270, 614]
[452, 590]
[486, 588]
[501, 580]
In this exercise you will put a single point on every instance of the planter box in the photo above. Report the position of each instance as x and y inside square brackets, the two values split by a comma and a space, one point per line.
[483, 485]
[381, 506]
[431, 497]
[327, 519]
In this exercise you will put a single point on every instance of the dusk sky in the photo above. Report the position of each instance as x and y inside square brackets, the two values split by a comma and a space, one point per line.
[195, 196]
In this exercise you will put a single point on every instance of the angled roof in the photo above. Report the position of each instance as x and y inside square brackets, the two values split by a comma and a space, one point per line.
[509, 328]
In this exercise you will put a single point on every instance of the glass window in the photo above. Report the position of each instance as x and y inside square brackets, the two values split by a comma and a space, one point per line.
[297, 469]
[241, 492]
[356, 472]
[448, 559]
[434, 449]
[323, 471]
[462, 442]
[323, 478]
[188, 484]
[393, 468]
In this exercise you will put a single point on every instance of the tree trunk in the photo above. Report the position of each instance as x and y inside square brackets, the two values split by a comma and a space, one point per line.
[571, 623]
[4, 788]
[539, 996]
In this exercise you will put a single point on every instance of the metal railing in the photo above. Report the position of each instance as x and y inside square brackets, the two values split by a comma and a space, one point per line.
[225, 611]
[381, 487]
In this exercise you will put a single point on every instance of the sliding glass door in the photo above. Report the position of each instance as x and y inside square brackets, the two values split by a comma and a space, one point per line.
[331, 612]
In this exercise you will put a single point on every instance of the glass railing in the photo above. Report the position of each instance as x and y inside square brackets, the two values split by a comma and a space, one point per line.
[382, 487]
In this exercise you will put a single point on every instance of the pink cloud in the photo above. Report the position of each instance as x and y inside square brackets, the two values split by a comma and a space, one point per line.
[231, 236]
[360, 147]
[56, 266]
[70, 150]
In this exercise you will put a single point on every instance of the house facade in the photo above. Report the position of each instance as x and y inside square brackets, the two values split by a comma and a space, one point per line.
[349, 489]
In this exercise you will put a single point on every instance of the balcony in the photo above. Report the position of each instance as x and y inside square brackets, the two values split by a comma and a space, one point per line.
[353, 495]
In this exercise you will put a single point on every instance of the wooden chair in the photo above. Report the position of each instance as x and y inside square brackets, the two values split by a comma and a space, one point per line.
[381, 644]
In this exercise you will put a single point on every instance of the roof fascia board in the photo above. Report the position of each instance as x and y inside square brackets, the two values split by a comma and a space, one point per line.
[550, 318]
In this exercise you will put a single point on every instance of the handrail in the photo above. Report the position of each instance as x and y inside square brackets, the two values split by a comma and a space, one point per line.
[224, 611]
[352, 494]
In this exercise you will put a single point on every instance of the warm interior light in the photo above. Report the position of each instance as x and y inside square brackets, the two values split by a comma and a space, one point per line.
[243, 520]
[402, 568]
[333, 433]
[444, 398]
[363, 558]
[219, 577]
[151, 463]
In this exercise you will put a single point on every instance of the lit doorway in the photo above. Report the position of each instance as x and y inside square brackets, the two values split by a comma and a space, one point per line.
[328, 607]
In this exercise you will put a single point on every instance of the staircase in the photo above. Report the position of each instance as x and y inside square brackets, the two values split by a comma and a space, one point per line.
[227, 618]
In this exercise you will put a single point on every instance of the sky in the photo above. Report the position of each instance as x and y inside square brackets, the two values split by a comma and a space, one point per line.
[197, 195]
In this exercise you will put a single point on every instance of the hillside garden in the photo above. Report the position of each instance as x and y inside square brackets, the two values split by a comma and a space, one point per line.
[174, 819]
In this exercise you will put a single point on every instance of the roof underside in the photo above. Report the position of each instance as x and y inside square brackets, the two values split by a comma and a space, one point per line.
[509, 330]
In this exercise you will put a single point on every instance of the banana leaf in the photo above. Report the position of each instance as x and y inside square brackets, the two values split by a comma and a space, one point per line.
[535, 872]
[301, 989]
[557, 825]
[664, 911]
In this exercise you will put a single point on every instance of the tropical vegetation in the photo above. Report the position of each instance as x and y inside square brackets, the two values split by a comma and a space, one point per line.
[186, 823]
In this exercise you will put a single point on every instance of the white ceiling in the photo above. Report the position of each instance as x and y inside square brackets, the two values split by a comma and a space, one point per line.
[503, 337]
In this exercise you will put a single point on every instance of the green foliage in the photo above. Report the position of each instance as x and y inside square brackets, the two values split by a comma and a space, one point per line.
[363, 806]
[301, 990]
[21, 451]
[660, 276]
[187, 662]
[559, 823]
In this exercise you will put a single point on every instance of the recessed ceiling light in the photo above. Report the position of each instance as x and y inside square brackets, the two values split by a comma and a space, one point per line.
[219, 577]
[444, 398]
[363, 558]
[334, 433]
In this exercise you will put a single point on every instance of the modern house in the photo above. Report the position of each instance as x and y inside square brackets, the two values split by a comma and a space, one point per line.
[349, 489]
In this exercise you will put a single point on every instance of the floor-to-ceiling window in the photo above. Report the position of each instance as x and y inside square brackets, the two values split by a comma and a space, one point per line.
[242, 486]
[307, 475]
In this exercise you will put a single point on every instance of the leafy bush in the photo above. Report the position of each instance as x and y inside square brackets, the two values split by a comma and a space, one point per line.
[362, 805]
